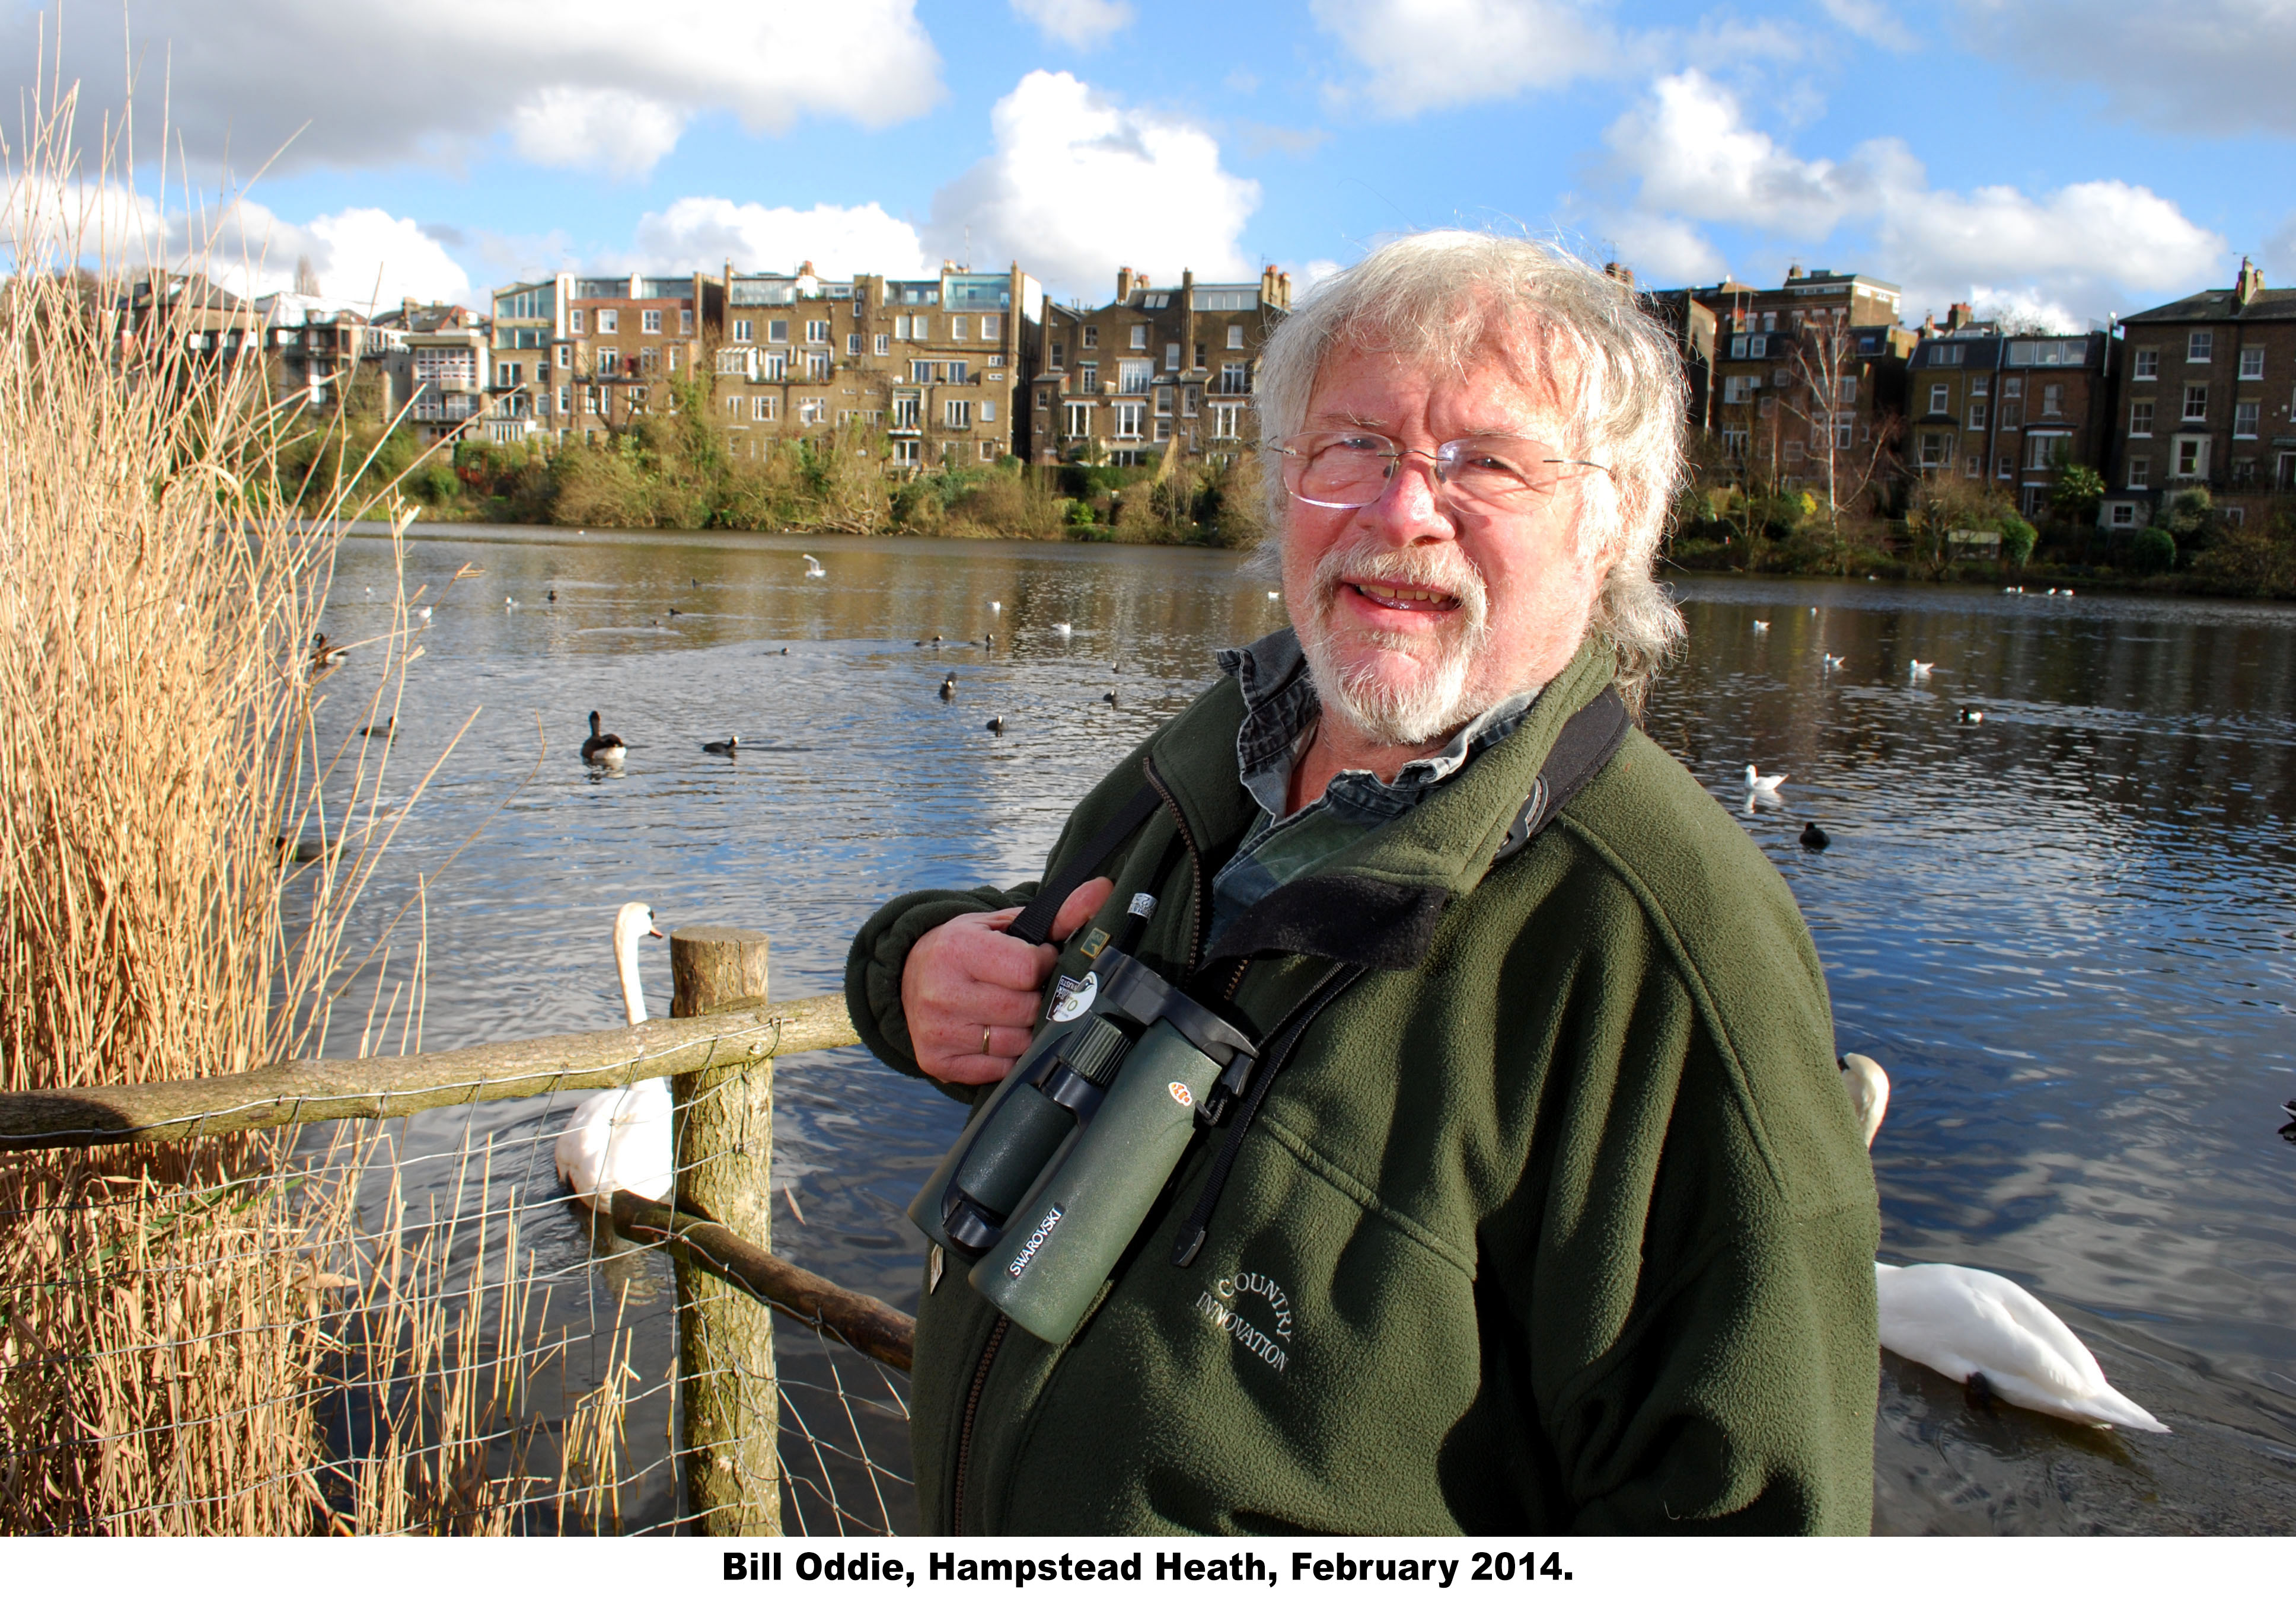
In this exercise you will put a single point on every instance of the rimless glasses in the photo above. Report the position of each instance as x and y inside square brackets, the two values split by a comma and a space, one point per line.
[1343, 471]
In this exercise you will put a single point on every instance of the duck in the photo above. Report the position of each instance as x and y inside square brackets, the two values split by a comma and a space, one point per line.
[1970, 713]
[1762, 785]
[553, 596]
[1814, 837]
[388, 729]
[728, 745]
[672, 610]
[994, 725]
[325, 656]
[1978, 1327]
[602, 748]
[995, 606]
[1109, 697]
[814, 569]
[949, 686]
[620, 1137]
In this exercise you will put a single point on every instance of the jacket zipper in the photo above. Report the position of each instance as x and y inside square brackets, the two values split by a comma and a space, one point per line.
[965, 1432]
[996, 1333]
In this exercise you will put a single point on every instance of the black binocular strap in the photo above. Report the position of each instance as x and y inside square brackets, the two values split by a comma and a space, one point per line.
[1582, 748]
[1033, 925]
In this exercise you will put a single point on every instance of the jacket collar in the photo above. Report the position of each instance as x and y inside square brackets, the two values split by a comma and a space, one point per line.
[1378, 902]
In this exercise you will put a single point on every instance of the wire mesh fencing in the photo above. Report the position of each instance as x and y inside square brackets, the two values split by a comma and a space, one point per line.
[402, 1327]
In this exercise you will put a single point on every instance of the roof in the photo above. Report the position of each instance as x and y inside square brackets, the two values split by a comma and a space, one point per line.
[1961, 352]
[2216, 305]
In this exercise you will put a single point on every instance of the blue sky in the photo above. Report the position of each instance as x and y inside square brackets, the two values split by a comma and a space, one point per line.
[2058, 160]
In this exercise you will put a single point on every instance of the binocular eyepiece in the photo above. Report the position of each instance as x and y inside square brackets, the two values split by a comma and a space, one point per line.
[1054, 1175]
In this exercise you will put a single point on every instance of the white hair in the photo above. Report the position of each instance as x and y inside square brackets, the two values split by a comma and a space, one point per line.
[1445, 298]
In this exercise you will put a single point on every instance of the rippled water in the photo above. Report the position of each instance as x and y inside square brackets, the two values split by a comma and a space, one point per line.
[2065, 931]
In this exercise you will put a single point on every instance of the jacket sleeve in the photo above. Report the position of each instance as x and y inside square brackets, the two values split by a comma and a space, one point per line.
[1699, 1308]
[873, 966]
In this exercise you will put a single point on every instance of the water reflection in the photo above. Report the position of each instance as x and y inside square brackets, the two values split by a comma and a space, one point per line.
[2064, 929]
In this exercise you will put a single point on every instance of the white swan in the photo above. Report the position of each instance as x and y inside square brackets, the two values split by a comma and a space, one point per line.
[1762, 785]
[620, 1137]
[1977, 1326]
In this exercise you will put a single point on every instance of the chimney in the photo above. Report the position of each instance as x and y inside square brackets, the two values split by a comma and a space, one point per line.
[1959, 315]
[1124, 283]
[1187, 277]
[1620, 272]
[1929, 324]
[1794, 272]
[2246, 286]
[1283, 290]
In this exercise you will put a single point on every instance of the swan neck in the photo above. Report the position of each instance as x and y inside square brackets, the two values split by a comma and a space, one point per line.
[625, 962]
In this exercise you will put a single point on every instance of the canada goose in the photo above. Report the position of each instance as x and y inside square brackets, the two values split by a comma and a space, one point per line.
[619, 1138]
[602, 748]
[729, 745]
[1814, 837]
[1762, 785]
[325, 656]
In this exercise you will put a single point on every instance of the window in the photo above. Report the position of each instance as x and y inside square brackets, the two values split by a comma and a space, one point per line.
[1171, 357]
[2148, 365]
[907, 452]
[1841, 432]
[1946, 355]
[1979, 385]
[988, 411]
[1091, 339]
[816, 332]
[2012, 389]
[817, 364]
[1164, 401]
[1200, 357]
[1080, 420]
[957, 414]
[901, 325]
[565, 399]
[2245, 418]
[1060, 352]
[991, 328]
[744, 331]
[2124, 514]
[590, 402]
[907, 410]
[1088, 377]
[1140, 335]
[852, 344]
[733, 407]
[2140, 471]
[574, 320]
[2244, 476]
[812, 413]
[1737, 392]
[996, 357]
[610, 322]
[2053, 400]
[685, 321]
[1940, 400]
[2251, 363]
[988, 449]
[2191, 458]
[610, 361]
[2044, 451]
[1974, 466]
[884, 345]
[1749, 347]
[1977, 416]
[920, 371]
[1189, 396]
[1845, 391]
[1770, 322]
[649, 358]
[765, 408]
[1235, 378]
[649, 322]
[773, 368]
[2200, 345]
[2008, 466]
[1128, 420]
[1225, 421]
[1794, 451]
[1733, 443]
[778, 331]
[956, 326]
[2196, 402]
[2140, 419]
[1132, 376]
[1235, 335]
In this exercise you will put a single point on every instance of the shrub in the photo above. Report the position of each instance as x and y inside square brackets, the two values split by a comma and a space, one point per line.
[2018, 537]
[2153, 550]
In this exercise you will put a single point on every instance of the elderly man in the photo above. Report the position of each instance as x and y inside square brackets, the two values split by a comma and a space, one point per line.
[1545, 1211]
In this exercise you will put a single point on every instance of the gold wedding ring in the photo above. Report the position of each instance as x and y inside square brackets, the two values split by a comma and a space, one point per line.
[984, 1040]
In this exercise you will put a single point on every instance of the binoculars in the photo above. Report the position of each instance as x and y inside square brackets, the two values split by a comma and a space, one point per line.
[1049, 1184]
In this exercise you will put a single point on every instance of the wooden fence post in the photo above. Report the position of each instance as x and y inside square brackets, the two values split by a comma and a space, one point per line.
[724, 1123]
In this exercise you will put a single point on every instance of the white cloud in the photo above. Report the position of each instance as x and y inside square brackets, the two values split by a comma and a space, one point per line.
[2201, 66]
[1662, 249]
[587, 82]
[1082, 23]
[1871, 21]
[1307, 277]
[1426, 54]
[1079, 185]
[839, 241]
[1692, 157]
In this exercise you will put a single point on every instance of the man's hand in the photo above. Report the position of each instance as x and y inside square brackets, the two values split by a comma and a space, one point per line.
[969, 989]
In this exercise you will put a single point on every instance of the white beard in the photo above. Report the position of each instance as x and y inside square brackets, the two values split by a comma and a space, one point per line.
[1437, 701]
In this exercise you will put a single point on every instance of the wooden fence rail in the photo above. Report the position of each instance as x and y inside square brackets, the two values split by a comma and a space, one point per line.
[386, 1085]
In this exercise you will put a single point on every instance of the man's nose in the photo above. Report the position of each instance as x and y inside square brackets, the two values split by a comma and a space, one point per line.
[1411, 509]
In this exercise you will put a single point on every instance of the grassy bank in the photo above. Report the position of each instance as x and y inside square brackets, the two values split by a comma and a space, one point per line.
[681, 469]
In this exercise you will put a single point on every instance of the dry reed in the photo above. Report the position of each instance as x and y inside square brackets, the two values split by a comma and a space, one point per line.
[179, 862]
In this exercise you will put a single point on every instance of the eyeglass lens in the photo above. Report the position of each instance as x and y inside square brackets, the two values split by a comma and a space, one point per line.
[1353, 469]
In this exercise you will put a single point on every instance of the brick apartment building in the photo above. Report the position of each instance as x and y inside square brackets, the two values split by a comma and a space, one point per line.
[937, 365]
[2007, 412]
[1812, 370]
[2208, 398]
[1155, 366]
[1691, 325]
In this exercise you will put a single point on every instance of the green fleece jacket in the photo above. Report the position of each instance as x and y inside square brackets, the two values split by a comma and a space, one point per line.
[1557, 1221]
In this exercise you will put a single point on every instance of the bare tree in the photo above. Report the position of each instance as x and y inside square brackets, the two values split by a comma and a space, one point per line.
[1823, 396]
[307, 277]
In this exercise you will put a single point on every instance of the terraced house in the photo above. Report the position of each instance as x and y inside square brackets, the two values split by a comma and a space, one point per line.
[2208, 399]
[2009, 411]
[1121, 383]
[934, 364]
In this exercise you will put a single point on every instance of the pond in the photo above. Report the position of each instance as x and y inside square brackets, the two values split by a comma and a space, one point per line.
[2064, 929]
